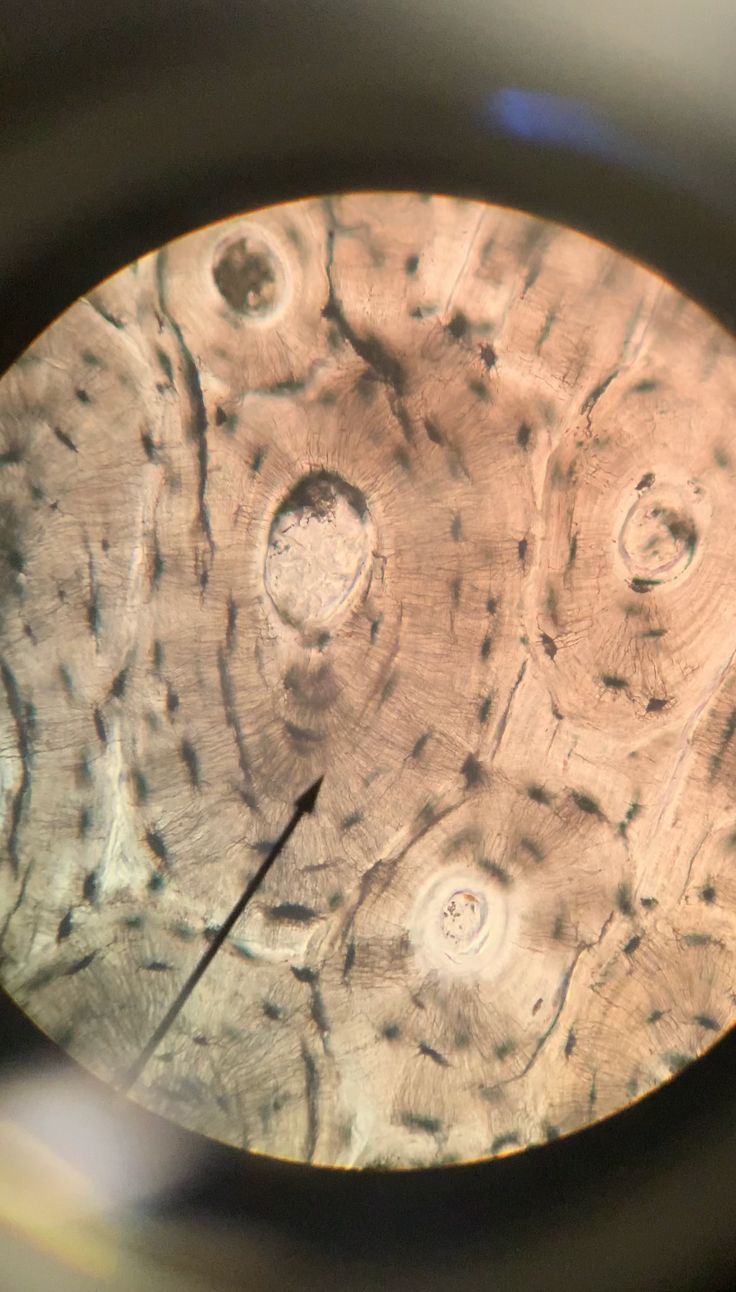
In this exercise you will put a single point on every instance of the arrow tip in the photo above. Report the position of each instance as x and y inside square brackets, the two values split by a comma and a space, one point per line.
[306, 801]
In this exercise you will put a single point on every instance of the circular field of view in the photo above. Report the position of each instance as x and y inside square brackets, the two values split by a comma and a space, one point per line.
[431, 501]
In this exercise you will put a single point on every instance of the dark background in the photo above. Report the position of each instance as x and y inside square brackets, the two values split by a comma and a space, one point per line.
[126, 123]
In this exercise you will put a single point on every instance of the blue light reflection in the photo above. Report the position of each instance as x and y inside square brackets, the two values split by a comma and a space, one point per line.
[564, 123]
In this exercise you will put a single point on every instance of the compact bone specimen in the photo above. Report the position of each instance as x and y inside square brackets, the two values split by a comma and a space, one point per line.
[433, 499]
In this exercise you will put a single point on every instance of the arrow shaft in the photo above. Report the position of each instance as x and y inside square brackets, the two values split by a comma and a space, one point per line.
[206, 959]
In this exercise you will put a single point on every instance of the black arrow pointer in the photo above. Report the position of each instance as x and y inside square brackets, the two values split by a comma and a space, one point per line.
[304, 804]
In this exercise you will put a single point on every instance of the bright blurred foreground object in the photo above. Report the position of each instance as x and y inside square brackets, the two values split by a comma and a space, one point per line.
[69, 1170]
[45, 1200]
[433, 499]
